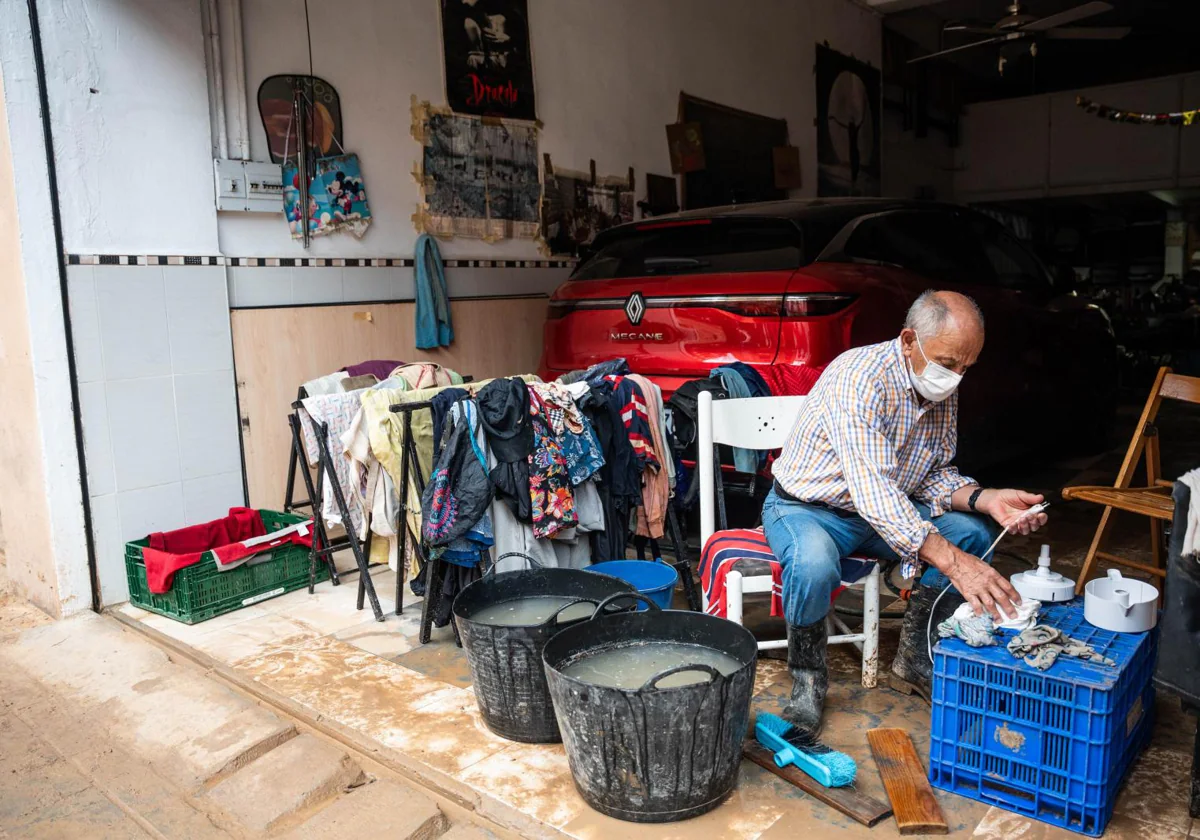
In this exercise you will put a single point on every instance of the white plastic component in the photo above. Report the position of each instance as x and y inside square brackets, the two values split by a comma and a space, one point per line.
[1043, 585]
[249, 186]
[1120, 604]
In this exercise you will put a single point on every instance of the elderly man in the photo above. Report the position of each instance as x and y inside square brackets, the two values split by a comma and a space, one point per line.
[867, 469]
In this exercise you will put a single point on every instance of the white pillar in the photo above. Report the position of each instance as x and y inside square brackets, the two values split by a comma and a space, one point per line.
[41, 496]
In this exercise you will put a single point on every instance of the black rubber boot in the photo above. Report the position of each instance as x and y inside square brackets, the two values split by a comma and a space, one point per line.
[810, 675]
[912, 672]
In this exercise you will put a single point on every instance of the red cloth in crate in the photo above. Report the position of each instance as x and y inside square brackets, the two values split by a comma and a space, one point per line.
[171, 551]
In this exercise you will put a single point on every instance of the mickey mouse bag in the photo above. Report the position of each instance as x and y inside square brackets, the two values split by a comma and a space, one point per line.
[337, 197]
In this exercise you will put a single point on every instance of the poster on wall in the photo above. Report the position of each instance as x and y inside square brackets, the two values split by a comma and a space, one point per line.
[848, 125]
[479, 178]
[578, 205]
[489, 69]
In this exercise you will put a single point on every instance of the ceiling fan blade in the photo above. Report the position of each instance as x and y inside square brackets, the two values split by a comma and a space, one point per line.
[1088, 33]
[940, 53]
[1087, 10]
[972, 28]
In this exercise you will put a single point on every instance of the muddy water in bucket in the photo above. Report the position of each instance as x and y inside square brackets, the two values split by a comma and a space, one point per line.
[653, 708]
[505, 620]
[525, 612]
[632, 666]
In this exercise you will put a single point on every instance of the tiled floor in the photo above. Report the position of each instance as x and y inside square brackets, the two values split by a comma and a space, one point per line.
[415, 703]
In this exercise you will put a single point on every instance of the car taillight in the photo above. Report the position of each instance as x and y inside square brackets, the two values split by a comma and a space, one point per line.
[559, 309]
[752, 306]
[815, 304]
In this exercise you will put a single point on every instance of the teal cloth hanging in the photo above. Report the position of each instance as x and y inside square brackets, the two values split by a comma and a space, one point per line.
[433, 302]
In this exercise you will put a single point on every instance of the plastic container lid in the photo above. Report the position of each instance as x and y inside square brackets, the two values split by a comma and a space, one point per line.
[1042, 584]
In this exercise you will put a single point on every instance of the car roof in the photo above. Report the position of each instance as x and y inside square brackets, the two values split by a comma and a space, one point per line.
[822, 218]
[808, 208]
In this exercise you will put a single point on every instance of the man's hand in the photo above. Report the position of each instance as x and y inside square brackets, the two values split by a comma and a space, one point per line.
[985, 589]
[1006, 507]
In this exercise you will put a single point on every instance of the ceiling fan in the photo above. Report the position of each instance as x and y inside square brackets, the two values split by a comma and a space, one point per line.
[1019, 25]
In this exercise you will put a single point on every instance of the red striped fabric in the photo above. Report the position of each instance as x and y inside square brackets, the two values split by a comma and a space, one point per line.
[725, 549]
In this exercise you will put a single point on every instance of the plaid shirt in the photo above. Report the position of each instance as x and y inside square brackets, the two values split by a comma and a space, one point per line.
[863, 442]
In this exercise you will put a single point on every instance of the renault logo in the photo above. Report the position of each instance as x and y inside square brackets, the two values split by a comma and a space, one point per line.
[635, 308]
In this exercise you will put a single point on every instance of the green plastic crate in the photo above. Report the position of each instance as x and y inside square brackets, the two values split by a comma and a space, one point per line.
[201, 592]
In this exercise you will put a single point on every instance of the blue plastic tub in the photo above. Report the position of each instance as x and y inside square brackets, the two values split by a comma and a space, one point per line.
[1053, 745]
[656, 580]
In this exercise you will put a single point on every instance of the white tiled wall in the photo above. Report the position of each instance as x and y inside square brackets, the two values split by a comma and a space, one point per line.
[155, 364]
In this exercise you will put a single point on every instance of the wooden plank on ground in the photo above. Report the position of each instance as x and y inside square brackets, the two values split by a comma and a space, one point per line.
[916, 809]
[857, 806]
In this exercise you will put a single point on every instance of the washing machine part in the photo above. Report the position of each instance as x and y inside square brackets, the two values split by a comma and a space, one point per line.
[1042, 584]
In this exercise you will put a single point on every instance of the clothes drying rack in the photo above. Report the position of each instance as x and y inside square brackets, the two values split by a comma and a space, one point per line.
[434, 567]
[323, 547]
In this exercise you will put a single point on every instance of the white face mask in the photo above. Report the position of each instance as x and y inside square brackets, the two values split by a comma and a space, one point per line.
[935, 383]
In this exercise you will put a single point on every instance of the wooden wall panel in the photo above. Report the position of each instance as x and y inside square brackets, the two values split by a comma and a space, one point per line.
[276, 350]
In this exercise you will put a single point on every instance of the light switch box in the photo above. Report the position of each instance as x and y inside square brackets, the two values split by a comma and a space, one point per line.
[249, 186]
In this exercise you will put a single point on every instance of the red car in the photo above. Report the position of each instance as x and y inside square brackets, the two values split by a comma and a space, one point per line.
[798, 282]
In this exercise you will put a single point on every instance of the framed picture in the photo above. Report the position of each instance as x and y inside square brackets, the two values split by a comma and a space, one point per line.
[848, 125]
[489, 69]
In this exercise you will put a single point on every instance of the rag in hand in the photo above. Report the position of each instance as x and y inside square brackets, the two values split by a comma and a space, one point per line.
[978, 630]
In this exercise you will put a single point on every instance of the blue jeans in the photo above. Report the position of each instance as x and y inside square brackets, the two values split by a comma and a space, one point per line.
[810, 542]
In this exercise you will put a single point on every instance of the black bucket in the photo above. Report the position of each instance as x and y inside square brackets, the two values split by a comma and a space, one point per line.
[506, 660]
[653, 754]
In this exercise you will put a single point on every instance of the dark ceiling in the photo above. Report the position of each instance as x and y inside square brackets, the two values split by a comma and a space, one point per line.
[1165, 39]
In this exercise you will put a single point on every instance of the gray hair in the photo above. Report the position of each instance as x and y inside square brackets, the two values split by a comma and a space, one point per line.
[930, 312]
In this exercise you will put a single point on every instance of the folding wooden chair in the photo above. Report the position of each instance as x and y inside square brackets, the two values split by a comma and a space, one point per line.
[1154, 500]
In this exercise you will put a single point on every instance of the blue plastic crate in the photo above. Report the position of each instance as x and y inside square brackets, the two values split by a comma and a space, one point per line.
[1053, 745]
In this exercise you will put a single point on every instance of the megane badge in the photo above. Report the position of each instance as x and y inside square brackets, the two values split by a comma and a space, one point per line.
[635, 308]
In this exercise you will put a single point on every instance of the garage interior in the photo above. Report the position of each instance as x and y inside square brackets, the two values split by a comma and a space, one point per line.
[227, 209]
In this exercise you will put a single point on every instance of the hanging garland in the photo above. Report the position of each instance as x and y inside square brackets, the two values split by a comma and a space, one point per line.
[1112, 114]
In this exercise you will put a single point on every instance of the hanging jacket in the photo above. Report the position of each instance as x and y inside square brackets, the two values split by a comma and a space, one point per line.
[458, 492]
[656, 482]
[504, 412]
[439, 407]
[551, 497]
[468, 549]
[433, 301]
[684, 405]
[744, 460]
[631, 404]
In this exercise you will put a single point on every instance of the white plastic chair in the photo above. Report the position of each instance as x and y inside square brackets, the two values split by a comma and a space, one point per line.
[764, 423]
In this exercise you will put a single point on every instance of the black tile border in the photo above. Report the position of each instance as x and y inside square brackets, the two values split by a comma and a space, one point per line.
[302, 262]
[385, 301]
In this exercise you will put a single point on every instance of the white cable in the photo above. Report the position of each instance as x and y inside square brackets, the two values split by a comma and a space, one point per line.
[1033, 511]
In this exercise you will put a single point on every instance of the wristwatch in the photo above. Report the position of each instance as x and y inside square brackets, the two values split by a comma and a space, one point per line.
[974, 498]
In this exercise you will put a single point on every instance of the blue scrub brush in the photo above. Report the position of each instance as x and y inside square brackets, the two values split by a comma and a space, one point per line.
[797, 746]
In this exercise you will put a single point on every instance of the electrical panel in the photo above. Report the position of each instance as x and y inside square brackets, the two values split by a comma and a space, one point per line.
[249, 186]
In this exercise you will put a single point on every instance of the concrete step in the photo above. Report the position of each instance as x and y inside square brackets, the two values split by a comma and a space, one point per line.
[192, 729]
[467, 831]
[380, 809]
[299, 775]
[44, 747]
